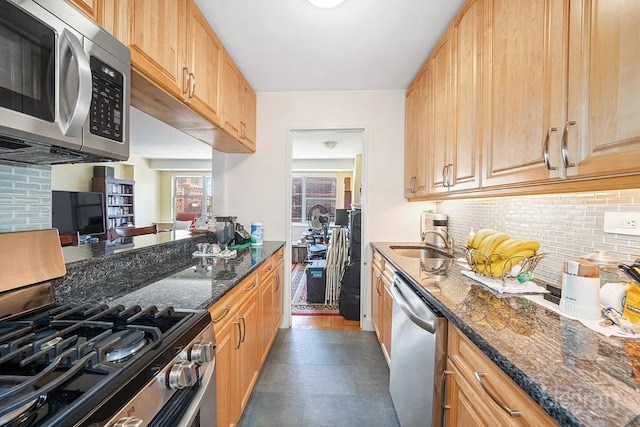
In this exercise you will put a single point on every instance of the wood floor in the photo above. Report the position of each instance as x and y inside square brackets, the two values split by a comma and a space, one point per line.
[335, 323]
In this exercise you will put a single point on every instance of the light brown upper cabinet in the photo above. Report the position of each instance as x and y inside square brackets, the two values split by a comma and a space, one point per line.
[463, 172]
[92, 8]
[204, 56]
[248, 118]
[231, 96]
[523, 90]
[415, 151]
[181, 71]
[156, 38]
[238, 105]
[602, 127]
[452, 105]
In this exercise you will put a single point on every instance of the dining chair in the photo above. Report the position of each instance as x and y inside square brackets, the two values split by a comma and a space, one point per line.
[133, 231]
[69, 239]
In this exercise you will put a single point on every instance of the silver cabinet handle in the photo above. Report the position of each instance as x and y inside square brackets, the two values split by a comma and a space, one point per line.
[547, 161]
[444, 176]
[222, 316]
[443, 384]
[449, 180]
[513, 413]
[239, 334]
[185, 81]
[565, 150]
[192, 77]
[76, 115]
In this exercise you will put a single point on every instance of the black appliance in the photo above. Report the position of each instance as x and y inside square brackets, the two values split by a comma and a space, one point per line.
[79, 211]
[349, 300]
[95, 365]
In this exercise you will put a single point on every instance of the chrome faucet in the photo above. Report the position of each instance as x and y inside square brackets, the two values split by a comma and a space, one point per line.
[444, 235]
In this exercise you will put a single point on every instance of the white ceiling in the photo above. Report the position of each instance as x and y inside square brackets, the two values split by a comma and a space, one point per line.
[313, 144]
[291, 45]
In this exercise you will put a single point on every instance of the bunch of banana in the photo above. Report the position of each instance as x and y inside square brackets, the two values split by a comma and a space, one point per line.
[496, 252]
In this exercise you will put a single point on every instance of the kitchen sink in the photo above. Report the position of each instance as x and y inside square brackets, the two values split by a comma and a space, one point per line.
[417, 251]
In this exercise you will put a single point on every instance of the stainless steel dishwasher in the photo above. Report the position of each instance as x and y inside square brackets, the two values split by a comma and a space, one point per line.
[418, 357]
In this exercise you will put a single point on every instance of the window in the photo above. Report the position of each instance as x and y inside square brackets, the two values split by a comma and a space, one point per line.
[192, 194]
[308, 191]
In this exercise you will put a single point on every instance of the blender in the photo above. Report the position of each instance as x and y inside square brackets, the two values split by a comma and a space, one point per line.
[225, 227]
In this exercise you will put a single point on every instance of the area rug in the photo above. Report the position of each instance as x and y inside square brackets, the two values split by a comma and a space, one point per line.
[299, 304]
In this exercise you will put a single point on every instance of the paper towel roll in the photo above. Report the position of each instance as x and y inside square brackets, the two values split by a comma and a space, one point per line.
[613, 295]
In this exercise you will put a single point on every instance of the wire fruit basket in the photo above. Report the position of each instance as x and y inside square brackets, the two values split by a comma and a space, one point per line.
[498, 266]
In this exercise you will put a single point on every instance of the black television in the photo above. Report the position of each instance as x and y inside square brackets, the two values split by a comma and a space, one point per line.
[80, 211]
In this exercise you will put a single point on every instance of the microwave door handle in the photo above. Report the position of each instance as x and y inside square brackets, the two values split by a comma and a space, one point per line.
[72, 125]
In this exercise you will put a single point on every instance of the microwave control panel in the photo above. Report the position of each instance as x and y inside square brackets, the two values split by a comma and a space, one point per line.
[106, 113]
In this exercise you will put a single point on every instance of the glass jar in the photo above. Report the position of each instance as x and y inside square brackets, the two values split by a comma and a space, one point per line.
[608, 264]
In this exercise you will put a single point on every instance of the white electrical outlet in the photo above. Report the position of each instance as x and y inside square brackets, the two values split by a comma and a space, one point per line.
[622, 223]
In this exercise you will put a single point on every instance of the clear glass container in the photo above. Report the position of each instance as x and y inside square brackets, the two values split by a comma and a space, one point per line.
[608, 264]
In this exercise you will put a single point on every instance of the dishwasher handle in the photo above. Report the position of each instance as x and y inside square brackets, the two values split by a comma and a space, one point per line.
[428, 325]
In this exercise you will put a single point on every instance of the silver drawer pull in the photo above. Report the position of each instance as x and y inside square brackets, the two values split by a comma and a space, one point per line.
[513, 413]
[223, 315]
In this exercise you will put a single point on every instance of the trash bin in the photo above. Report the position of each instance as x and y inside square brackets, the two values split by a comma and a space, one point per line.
[316, 281]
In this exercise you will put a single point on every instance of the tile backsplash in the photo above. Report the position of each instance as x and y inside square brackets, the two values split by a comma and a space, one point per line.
[25, 198]
[567, 225]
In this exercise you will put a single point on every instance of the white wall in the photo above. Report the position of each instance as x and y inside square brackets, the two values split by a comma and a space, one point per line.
[256, 186]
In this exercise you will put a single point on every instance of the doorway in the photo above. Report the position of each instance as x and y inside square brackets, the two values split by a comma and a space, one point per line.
[326, 176]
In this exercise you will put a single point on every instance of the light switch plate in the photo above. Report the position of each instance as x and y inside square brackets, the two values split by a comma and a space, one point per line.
[622, 223]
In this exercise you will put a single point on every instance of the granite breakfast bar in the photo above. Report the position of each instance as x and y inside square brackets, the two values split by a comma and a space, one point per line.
[155, 269]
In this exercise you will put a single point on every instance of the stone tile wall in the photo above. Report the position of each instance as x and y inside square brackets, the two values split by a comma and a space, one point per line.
[25, 198]
[567, 225]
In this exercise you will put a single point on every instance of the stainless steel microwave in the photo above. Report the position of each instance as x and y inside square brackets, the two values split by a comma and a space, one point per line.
[64, 86]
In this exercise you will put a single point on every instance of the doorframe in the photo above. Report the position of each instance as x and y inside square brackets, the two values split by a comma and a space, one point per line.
[365, 322]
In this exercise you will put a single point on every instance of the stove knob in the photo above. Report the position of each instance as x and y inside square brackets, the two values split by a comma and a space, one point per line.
[129, 422]
[202, 352]
[182, 374]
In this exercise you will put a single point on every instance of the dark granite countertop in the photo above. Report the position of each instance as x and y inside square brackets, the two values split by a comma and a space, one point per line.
[202, 283]
[579, 377]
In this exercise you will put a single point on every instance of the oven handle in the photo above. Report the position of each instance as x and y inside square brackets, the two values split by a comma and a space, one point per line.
[72, 125]
[179, 407]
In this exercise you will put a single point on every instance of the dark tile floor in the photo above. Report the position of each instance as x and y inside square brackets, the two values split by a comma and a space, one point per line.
[317, 378]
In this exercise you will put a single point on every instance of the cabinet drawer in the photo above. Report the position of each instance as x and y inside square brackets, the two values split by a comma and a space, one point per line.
[225, 307]
[266, 268]
[476, 367]
[278, 257]
[377, 260]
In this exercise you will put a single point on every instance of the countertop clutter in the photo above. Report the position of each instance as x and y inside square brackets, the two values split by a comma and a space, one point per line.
[577, 376]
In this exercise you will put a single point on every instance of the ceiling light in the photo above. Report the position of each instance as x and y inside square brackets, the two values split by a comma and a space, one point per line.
[330, 144]
[326, 4]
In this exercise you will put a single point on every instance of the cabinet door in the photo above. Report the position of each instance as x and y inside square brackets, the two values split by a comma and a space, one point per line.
[522, 86]
[156, 40]
[91, 8]
[376, 285]
[249, 355]
[466, 48]
[465, 407]
[603, 84]
[227, 402]
[415, 154]
[231, 85]
[439, 135]
[248, 122]
[266, 314]
[386, 312]
[278, 296]
[204, 53]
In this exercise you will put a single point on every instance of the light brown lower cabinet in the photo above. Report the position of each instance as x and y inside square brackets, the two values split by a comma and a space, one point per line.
[479, 393]
[245, 322]
[382, 302]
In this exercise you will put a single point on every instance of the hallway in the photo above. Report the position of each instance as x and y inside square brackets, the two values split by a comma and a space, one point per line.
[317, 378]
